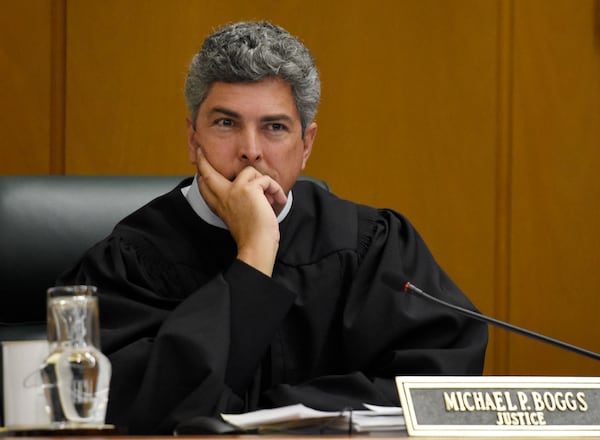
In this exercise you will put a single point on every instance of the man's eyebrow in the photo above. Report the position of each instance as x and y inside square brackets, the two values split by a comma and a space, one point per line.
[225, 111]
[267, 118]
[280, 117]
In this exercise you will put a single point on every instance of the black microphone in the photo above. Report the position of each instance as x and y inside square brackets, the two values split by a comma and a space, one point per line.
[505, 325]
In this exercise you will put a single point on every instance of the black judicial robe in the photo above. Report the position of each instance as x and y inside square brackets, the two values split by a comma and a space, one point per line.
[190, 330]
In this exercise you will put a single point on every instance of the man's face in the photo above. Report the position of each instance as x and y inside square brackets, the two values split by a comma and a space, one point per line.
[252, 124]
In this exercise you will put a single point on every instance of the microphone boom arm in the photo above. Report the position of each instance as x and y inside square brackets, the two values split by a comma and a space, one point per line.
[505, 325]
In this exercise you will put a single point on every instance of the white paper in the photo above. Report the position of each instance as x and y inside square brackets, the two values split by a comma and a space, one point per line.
[374, 418]
[263, 417]
[384, 410]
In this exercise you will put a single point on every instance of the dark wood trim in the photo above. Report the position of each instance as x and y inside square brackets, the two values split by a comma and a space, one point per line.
[503, 183]
[58, 53]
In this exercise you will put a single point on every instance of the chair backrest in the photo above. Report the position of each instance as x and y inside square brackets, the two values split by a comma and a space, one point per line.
[46, 223]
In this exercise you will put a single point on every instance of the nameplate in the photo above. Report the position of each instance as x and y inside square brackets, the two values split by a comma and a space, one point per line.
[456, 406]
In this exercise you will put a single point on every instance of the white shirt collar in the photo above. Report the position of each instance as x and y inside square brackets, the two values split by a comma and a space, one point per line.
[200, 207]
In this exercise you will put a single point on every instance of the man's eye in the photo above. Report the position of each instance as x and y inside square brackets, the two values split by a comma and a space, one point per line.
[224, 122]
[276, 126]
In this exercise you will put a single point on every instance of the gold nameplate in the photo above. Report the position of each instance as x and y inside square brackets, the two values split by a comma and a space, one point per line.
[500, 405]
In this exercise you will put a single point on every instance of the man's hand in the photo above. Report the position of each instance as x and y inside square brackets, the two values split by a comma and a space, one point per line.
[247, 206]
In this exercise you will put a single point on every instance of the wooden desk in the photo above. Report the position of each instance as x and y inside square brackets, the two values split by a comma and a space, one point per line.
[278, 437]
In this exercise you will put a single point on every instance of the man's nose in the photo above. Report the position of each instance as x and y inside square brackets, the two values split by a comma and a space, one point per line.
[249, 149]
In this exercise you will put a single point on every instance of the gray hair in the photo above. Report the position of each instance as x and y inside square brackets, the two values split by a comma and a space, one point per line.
[252, 51]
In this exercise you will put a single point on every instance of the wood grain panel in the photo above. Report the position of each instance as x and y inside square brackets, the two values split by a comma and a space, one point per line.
[25, 31]
[556, 185]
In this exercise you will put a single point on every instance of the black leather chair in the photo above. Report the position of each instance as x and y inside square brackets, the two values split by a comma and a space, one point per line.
[46, 223]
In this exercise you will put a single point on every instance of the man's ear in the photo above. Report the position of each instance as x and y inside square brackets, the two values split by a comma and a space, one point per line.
[309, 137]
[191, 140]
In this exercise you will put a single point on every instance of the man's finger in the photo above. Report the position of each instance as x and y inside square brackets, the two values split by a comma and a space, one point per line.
[271, 189]
[216, 182]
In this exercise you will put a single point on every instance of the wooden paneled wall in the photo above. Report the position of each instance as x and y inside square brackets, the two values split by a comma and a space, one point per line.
[478, 119]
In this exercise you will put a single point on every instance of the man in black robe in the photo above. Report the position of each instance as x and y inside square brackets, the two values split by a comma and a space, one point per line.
[243, 288]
